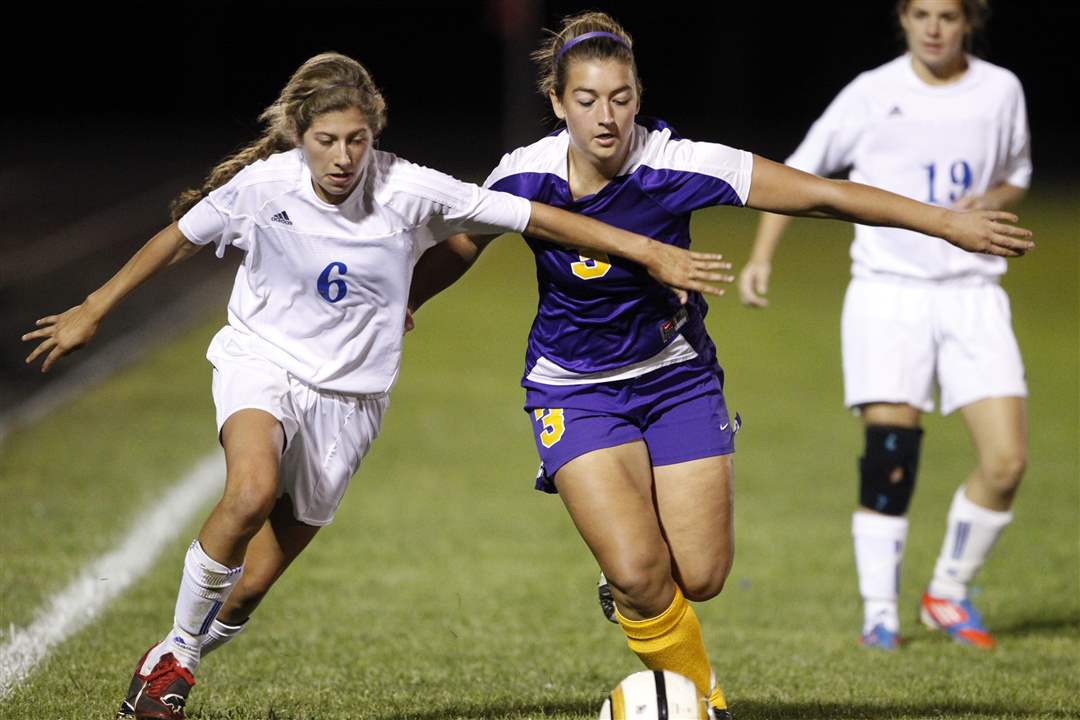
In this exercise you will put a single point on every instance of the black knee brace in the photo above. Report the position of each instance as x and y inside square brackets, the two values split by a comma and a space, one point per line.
[887, 470]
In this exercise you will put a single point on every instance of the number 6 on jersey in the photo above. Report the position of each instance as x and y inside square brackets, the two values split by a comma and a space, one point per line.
[332, 290]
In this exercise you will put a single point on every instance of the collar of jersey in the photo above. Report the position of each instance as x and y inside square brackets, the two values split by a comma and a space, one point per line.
[637, 142]
[970, 76]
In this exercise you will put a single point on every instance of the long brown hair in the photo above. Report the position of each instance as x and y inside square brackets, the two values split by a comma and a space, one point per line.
[324, 83]
[553, 62]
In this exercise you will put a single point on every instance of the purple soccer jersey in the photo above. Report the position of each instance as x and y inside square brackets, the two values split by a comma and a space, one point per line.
[599, 314]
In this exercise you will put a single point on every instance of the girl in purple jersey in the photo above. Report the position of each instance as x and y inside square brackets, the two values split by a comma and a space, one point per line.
[622, 384]
[308, 194]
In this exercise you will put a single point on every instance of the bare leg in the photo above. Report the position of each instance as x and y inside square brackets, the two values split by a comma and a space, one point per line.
[897, 414]
[279, 542]
[253, 442]
[979, 513]
[695, 502]
[281, 539]
[609, 496]
[998, 428]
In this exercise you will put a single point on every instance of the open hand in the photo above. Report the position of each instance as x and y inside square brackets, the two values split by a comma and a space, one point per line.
[754, 283]
[685, 270]
[61, 334]
[991, 232]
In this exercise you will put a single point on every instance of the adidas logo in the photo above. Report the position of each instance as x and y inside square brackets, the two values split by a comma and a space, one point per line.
[896, 111]
[946, 613]
[282, 217]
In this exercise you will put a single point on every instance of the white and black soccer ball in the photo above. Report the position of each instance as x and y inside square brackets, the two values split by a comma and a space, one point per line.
[655, 695]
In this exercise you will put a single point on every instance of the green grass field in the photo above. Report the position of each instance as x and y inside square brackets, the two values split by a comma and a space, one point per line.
[448, 588]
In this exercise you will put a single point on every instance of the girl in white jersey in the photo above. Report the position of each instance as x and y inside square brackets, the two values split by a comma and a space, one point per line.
[947, 128]
[623, 389]
[331, 229]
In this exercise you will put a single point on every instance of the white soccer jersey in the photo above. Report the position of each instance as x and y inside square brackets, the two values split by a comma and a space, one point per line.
[323, 288]
[934, 143]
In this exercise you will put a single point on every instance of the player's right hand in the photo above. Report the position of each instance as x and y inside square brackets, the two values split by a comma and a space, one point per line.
[991, 232]
[754, 283]
[61, 334]
[685, 270]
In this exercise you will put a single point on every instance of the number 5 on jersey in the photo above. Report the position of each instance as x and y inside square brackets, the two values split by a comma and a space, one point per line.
[591, 266]
[551, 420]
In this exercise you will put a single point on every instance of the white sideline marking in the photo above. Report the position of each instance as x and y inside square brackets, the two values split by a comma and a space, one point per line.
[101, 580]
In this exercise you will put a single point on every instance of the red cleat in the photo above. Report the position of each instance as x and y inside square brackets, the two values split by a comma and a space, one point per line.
[161, 694]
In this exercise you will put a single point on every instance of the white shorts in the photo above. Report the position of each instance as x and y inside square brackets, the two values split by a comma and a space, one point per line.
[900, 338]
[326, 434]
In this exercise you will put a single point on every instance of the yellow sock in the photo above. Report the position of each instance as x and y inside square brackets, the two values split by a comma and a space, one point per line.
[717, 699]
[672, 641]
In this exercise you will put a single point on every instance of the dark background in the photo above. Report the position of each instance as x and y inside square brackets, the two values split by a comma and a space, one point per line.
[752, 75]
[110, 110]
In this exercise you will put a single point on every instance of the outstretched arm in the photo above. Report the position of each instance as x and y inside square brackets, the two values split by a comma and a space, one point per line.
[780, 189]
[70, 330]
[682, 270]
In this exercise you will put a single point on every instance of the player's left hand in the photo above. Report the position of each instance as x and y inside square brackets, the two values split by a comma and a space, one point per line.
[685, 271]
[991, 232]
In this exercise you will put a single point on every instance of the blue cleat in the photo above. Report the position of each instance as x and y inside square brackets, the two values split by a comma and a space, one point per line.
[881, 638]
[960, 619]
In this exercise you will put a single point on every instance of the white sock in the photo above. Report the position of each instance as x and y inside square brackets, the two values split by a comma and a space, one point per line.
[204, 586]
[219, 634]
[969, 535]
[879, 548]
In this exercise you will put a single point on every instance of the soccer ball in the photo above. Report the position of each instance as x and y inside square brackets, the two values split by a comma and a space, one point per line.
[653, 695]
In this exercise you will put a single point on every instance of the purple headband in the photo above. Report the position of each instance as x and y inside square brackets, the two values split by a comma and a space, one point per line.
[588, 36]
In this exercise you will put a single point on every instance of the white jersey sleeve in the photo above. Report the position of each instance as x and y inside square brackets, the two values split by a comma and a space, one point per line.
[829, 147]
[446, 205]
[687, 175]
[1017, 168]
[208, 221]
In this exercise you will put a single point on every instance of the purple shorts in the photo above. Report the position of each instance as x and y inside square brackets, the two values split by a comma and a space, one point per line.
[679, 411]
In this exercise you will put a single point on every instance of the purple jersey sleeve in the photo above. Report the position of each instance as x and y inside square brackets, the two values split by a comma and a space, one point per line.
[684, 175]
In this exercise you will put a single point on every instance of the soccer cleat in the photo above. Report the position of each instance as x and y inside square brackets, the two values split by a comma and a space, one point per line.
[717, 702]
[880, 638]
[960, 619]
[159, 695]
[607, 600]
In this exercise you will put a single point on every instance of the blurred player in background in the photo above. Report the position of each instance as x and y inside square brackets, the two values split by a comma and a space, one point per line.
[942, 126]
[331, 229]
[623, 386]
